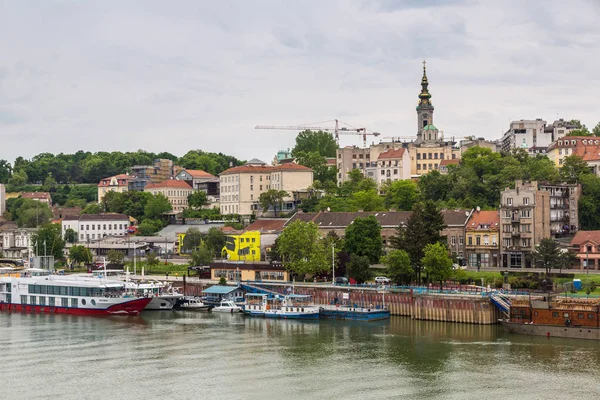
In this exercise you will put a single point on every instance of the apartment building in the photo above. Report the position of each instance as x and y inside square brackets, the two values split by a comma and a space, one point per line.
[482, 232]
[393, 165]
[201, 180]
[525, 221]
[564, 207]
[175, 190]
[96, 226]
[160, 170]
[559, 128]
[454, 231]
[119, 183]
[2, 199]
[586, 245]
[586, 147]
[17, 243]
[241, 187]
[524, 134]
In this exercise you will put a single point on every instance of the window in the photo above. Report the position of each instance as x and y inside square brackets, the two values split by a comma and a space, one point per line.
[74, 302]
[555, 314]
[509, 201]
[418, 166]
[251, 196]
[486, 240]
[251, 179]
[435, 155]
[395, 172]
[478, 240]
[591, 316]
[64, 302]
[461, 240]
[453, 240]
[260, 187]
[581, 315]
[251, 187]
[418, 156]
[525, 213]
[32, 300]
[470, 240]
[566, 315]
[525, 200]
[429, 156]
[51, 301]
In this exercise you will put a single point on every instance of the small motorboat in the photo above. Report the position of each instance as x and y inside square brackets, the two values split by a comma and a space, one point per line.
[227, 306]
[194, 305]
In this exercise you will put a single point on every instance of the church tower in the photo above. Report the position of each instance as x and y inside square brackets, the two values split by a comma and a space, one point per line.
[424, 107]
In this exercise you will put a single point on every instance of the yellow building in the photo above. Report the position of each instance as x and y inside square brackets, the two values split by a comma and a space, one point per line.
[242, 247]
[118, 183]
[483, 238]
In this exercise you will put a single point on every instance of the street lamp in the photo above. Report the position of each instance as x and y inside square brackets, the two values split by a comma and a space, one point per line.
[587, 259]
[333, 263]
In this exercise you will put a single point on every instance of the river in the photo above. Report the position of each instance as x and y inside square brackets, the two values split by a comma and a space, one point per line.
[183, 355]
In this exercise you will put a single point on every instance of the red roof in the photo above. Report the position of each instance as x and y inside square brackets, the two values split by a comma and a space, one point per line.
[455, 161]
[169, 183]
[582, 237]
[391, 154]
[267, 224]
[37, 195]
[588, 153]
[122, 180]
[198, 173]
[265, 169]
[478, 218]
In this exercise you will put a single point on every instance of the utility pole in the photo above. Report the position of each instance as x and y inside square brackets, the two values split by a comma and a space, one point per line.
[333, 263]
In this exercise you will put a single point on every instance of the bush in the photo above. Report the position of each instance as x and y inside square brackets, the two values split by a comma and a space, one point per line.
[222, 281]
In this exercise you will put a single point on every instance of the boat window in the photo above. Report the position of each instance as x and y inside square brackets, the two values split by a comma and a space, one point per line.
[32, 300]
[51, 301]
[83, 301]
[591, 316]
[93, 302]
[73, 302]
[555, 314]
[535, 313]
[566, 315]
[523, 312]
[581, 315]
[64, 302]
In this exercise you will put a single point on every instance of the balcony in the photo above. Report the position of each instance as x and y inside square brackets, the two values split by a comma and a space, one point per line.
[515, 234]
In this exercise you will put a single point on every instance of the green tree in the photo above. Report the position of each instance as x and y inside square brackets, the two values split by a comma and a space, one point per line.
[115, 257]
[215, 240]
[367, 200]
[93, 208]
[48, 241]
[589, 202]
[363, 238]
[596, 130]
[156, 206]
[80, 254]
[581, 130]
[358, 268]
[436, 262]
[422, 228]
[399, 268]
[30, 213]
[434, 186]
[567, 260]
[192, 239]
[49, 183]
[324, 174]
[547, 254]
[5, 171]
[70, 235]
[149, 227]
[18, 179]
[315, 141]
[197, 199]
[301, 249]
[202, 255]
[356, 182]
[573, 169]
[401, 195]
[152, 259]
[272, 198]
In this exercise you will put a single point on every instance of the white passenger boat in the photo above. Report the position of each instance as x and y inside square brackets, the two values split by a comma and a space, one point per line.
[256, 304]
[292, 306]
[194, 305]
[54, 294]
[227, 306]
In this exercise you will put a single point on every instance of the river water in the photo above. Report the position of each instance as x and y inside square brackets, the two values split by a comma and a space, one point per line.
[184, 355]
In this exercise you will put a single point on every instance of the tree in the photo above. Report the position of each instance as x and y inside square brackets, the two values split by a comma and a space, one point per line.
[581, 130]
[270, 198]
[422, 228]
[152, 259]
[437, 264]
[49, 183]
[323, 173]
[318, 141]
[589, 202]
[156, 206]
[596, 130]
[367, 200]
[149, 227]
[18, 179]
[567, 260]
[30, 213]
[80, 254]
[301, 249]
[547, 254]
[399, 268]
[363, 238]
[93, 208]
[5, 171]
[70, 235]
[215, 240]
[434, 186]
[115, 257]
[192, 239]
[402, 195]
[358, 268]
[48, 241]
[197, 199]
[202, 255]
[573, 169]
[356, 182]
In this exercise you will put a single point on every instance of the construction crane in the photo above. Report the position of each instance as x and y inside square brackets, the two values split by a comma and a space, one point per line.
[337, 130]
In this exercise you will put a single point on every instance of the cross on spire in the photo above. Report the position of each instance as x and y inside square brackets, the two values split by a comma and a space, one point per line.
[424, 62]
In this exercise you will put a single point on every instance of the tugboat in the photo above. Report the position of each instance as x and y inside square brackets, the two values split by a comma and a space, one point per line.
[553, 316]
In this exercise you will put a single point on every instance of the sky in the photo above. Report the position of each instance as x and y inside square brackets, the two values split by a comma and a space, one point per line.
[174, 76]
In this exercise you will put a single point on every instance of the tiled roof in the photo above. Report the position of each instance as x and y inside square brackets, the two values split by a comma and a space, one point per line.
[103, 217]
[120, 178]
[567, 141]
[455, 217]
[265, 169]
[588, 153]
[478, 218]
[267, 224]
[391, 154]
[36, 195]
[198, 173]
[169, 183]
[585, 236]
[344, 219]
[455, 161]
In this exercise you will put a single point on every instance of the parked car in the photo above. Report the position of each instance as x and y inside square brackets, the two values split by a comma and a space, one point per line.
[340, 280]
[380, 280]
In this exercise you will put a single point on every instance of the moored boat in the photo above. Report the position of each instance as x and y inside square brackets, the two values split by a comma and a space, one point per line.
[255, 304]
[292, 306]
[51, 294]
[227, 306]
[194, 305]
[553, 316]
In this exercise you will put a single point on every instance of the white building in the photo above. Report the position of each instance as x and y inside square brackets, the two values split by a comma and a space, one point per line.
[17, 243]
[526, 134]
[393, 165]
[96, 226]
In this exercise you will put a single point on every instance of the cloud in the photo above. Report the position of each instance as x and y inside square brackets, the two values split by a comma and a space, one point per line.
[184, 75]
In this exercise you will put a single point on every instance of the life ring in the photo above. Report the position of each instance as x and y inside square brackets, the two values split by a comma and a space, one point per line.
[371, 305]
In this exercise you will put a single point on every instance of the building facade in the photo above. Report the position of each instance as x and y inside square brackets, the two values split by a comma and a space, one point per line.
[42, 197]
[564, 207]
[2, 199]
[482, 247]
[17, 243]
[525, 221]
[586, 245]
[242, 186]
[454, 231]
[524, 134]
[118, 183]
[96, 226]
[393, 165]
[175, 191]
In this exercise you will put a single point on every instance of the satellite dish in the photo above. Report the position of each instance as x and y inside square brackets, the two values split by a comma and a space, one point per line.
[478, 208]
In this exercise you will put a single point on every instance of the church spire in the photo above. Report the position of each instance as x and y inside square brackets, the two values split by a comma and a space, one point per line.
[424, 96]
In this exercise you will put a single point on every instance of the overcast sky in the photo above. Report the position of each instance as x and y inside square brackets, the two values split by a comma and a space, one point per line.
[180, 75]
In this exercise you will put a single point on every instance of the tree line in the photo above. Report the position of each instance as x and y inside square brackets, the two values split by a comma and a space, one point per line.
[88, 167]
